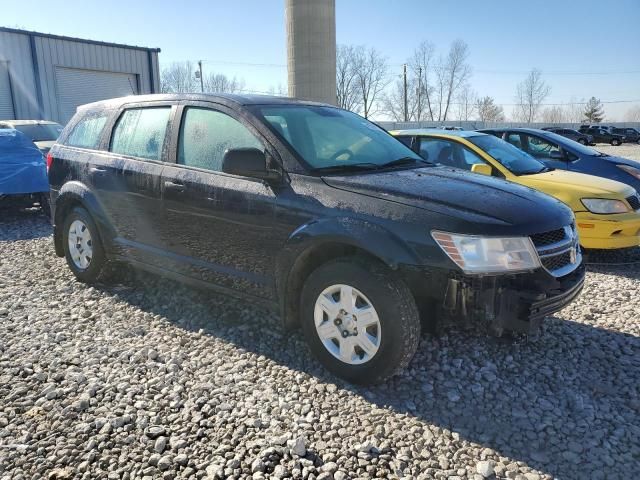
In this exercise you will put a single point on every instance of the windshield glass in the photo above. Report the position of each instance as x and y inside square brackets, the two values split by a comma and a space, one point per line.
[512, 158]
[41, 132]
[327, 137]
[578, 147]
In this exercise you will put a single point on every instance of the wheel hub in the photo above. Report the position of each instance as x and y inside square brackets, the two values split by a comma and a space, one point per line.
[347, 324]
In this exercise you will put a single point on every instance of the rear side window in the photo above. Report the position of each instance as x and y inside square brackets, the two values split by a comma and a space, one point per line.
[205, 136]
[87, 132]
[140, 132]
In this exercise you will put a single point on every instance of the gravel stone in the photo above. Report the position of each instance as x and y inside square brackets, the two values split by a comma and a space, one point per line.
[95, 379]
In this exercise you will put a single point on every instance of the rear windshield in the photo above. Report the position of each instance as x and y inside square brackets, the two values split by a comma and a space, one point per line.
[43, 132]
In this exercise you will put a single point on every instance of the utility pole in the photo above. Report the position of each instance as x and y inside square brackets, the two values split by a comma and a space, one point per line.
[406, 103]
[201, 80]
[419, 93]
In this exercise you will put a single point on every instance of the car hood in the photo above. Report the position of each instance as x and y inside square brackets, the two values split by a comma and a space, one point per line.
[580, 184]
[620, 161]
[458, 193]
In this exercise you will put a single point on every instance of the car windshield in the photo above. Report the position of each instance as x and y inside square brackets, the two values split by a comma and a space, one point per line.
[576, 146]
[328, 139]
[41, 132]
[512, 158]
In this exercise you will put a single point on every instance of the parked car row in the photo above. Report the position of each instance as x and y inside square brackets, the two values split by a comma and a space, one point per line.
[359, 238]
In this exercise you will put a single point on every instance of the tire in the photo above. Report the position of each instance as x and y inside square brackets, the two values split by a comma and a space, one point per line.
[85, 271]
[615, 142]
[582, 141]
[395, 336]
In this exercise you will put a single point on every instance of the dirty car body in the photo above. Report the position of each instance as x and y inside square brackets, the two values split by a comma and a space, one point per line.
[262, 236]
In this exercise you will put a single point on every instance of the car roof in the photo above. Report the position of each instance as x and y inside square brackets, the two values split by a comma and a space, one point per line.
[429, 132]
[515, 129]
[224, 98]
[28, 122]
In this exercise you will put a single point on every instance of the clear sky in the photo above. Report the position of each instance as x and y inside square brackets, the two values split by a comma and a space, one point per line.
[583, 47]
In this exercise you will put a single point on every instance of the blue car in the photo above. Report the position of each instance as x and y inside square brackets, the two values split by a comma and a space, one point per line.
[23, 171]
[559, 152]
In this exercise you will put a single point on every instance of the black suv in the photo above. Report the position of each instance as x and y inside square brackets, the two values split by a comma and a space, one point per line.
[313, 210]
[630, 134]
[602, 135]
[574, 135]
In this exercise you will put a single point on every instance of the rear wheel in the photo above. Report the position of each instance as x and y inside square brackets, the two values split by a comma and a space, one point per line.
[359, 320]
[83, 249]
[615, 142]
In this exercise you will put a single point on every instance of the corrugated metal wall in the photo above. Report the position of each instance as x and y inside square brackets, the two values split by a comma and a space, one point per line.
[51, 53]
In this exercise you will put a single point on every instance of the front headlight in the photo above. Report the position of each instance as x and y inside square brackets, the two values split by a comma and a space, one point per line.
[633, 171]
[475, 254]
[603, 205]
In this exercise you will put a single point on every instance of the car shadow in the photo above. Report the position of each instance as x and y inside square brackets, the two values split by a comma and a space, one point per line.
[566, 402]
[22, 223]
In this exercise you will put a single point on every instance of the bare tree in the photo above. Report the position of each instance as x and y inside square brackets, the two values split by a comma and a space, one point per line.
[555, 114]
[488, 111]
[178, 77]
[452, 73]
[280, 90]
[633, 114]
[530, 93]
[393, 101]
[467, 101]
[346, 83]
[220, 83]
[422, 67]
[370, 70]
[573, 111]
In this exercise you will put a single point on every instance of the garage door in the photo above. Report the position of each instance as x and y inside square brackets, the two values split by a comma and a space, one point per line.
[77, 87]
[6, 103]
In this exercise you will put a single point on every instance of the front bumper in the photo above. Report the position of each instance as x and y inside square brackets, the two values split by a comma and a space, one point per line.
[609, 231]
[516, 303]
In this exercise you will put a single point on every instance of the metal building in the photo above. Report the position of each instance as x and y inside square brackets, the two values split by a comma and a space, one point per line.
[311, 49]
[45, 77]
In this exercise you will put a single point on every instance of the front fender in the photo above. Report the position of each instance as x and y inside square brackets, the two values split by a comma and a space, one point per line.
[321, 236]
[76, 193]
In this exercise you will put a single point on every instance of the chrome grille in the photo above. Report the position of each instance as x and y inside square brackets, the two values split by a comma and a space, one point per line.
[634, 201]
[558, 250]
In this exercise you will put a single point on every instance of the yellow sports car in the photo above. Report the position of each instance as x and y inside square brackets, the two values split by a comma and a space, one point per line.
[607, 212]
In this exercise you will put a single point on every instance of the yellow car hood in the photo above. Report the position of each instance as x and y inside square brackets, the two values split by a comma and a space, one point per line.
[572, 186]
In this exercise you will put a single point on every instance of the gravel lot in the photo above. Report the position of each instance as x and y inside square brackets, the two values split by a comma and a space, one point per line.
[147, 379]
[627, 150]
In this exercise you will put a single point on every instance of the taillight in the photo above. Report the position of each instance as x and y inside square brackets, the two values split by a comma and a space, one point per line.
[49, 161]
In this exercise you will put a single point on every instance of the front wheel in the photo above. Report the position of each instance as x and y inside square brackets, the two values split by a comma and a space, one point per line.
[615, 142]
[360, 321]
[83, 249]
[582, 141]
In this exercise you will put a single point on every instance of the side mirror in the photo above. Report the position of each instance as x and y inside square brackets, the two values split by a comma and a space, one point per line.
[556, 155]
[482, 169]
[248, 162]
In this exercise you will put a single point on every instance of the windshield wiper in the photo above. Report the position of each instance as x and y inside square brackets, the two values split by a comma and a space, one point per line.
[404, 161]
[348, 167]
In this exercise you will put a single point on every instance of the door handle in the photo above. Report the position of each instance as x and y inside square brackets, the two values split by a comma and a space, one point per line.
[178, 187]
[97, 170]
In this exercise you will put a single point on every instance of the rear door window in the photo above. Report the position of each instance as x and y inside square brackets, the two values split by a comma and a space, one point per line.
[140, 132]
[436, 150]
[87, 132]
[205, 136]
